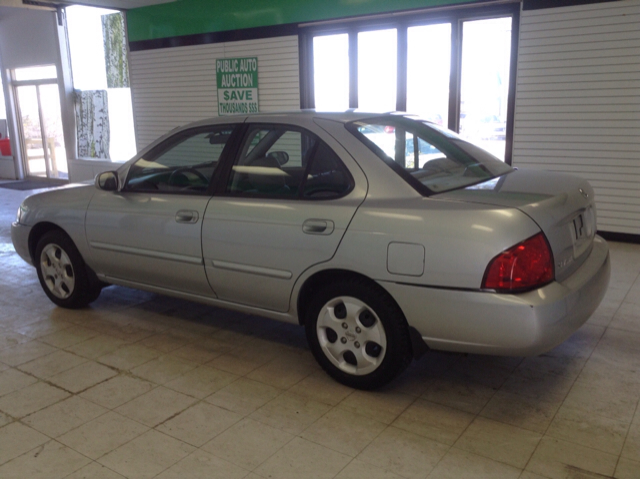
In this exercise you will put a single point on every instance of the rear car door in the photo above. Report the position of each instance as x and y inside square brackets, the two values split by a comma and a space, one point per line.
[285, 204]
[150, 232]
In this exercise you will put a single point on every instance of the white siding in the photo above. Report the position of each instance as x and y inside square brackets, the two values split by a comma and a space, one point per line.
[578, 102]
[174, 86]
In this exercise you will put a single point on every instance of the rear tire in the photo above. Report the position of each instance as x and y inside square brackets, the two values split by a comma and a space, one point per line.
[358, 334]
[63, 274]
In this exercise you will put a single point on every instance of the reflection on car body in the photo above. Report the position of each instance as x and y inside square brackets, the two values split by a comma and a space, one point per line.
[383, 235]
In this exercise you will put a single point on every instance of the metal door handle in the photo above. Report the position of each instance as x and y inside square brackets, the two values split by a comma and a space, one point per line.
[187, 216]
[318, 227]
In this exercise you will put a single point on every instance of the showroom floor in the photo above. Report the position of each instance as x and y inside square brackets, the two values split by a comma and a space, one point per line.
[141, 385]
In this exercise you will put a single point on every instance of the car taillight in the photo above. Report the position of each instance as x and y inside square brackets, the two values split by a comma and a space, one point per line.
[525, 266]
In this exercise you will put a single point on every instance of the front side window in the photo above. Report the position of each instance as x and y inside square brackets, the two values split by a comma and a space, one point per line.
[185, 166]
[430, 158]
[279, 161]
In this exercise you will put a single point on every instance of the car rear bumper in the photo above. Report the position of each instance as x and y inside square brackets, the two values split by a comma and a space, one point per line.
[503, 324]
[20, 239]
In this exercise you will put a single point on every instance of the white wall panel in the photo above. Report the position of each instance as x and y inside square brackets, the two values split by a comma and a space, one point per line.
[578, 102]
[174, 86]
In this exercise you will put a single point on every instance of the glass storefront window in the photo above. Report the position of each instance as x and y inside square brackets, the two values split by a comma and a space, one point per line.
[331, 72]
[428, 71]
[377, 70]
[410, 67]
[484, 89]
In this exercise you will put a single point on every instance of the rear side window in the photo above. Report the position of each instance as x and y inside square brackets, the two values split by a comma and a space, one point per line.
[431, 159]
[326, 177]
[287, 162]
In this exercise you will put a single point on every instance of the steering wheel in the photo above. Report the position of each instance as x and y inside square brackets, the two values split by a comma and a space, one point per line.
[186, 169]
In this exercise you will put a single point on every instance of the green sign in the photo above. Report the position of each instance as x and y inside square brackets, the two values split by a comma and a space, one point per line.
[237, 80]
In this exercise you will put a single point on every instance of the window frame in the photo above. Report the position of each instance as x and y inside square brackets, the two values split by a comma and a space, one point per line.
[455, 15]
[243, 137]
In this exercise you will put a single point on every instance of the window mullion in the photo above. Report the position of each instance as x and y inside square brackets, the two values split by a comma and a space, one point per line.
[511, 100]
[353, 69]
[455, 78]
[307, 85]
[401, 88]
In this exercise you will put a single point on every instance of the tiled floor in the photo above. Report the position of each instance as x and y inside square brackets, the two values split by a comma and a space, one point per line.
[141, 385]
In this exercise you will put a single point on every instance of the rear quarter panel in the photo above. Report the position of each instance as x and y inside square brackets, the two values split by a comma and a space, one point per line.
[459, 239]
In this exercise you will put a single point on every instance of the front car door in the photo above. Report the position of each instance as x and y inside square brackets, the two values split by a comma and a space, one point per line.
[286, 201]
[149, 233]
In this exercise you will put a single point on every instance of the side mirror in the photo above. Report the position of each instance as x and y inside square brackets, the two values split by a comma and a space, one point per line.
[107, 181]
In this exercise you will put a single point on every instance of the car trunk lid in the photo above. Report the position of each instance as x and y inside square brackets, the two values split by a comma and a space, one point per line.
[562, 206]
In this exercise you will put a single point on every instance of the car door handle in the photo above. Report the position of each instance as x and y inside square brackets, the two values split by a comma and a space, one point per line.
[187, 216]
[318, 227]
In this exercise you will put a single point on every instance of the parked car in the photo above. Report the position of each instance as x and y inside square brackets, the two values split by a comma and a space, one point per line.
[304, 218]
[426, 151]
[488, 127]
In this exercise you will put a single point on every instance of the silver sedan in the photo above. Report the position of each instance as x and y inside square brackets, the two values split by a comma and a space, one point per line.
[384, 235]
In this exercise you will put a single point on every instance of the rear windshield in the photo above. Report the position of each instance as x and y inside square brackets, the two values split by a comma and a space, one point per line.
[430, 158]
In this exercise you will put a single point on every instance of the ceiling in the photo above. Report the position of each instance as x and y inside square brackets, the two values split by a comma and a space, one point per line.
[113, 4]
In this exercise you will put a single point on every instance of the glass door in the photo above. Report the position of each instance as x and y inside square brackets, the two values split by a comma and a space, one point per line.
[38, 102]
[32, 149]
[52, 120]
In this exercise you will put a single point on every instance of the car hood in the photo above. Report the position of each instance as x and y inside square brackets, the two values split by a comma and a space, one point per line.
[562, 205]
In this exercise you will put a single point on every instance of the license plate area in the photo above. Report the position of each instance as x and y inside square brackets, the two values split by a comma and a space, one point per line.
[582, 231]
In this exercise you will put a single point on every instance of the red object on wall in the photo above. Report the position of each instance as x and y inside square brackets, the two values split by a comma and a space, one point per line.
[5, 147]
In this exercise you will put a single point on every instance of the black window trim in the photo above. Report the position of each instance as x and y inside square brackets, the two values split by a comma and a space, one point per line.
[243, 137]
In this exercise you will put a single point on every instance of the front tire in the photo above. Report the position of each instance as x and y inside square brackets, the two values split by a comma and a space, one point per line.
[63, 274]
[358, 334]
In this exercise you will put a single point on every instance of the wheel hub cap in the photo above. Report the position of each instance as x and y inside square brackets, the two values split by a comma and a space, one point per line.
[351, 335]
[57, 271]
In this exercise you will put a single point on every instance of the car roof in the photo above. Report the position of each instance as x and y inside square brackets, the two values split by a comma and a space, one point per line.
[302, 116]
[339, 116]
